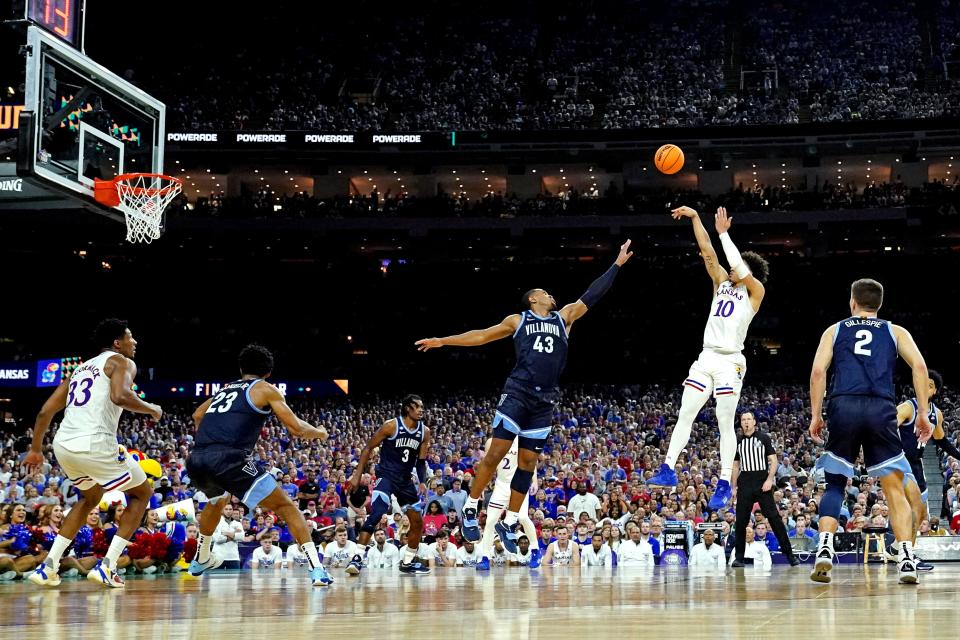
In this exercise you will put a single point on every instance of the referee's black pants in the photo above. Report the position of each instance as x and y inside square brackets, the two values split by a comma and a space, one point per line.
[750, 490]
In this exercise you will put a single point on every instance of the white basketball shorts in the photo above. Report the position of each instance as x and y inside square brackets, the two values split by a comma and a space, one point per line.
[500, 499]
[98, 460]
[717, 373]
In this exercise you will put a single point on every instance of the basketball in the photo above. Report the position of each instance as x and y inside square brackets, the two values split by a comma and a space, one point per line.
[669, 159]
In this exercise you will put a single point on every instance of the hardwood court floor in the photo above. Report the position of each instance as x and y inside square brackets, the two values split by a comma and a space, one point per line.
[557, 603]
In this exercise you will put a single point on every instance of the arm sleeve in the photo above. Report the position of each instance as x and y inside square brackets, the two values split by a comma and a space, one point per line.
[944, 445]
[733, 256]
[599, 287]
[421, 468]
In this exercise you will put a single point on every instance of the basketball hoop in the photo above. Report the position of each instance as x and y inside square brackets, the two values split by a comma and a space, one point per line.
[142, 197]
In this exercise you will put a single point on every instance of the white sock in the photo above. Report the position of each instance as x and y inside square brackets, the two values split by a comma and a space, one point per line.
[60, 545]
[826, 540]
[408, 555]
[471, 503]
[906, 550]
[489, 531]
[530, 530]
[204, 544]
[690, 405]
[726, 414]
[113, 553]
[511, 518]
[310, 550]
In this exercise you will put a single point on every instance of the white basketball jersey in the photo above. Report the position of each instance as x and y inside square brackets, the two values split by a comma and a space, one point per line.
[508, 466]
[729, 319]
[89, 411]
[562, 556]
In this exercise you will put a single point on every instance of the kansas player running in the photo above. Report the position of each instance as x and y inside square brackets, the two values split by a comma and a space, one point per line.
[221, 463]
[92, 399]
[525, 411]
[915, 482]
[862, 412]
[498, 504]
[721, 366]
[404, 442]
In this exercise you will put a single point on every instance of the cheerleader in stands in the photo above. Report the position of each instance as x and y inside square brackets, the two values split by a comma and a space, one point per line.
[16, 543]
[149, 546]
[49, 521]
[111, 523]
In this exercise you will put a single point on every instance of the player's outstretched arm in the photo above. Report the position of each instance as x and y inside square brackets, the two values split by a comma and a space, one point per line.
[386, 430]
[473, 338]
[267, 394]
[121, 376]
[755, 288]
[818, 383]
[56, 403]
[573, 312]
[910, 353]
[707, 252]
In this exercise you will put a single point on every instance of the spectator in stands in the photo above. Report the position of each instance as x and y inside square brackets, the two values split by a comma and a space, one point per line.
[267, 556]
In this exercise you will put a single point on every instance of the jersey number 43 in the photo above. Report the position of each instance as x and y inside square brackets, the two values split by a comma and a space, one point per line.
[544, 346]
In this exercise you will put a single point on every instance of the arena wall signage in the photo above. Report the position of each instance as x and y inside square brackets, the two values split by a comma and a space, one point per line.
[306, 139]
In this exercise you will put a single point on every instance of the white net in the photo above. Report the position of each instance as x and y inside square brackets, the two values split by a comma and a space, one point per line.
[143, 198]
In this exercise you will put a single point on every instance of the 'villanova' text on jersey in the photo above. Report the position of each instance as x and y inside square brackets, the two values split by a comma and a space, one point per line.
[864, 359]
[232, 420]
[541, 347]
[398, 455]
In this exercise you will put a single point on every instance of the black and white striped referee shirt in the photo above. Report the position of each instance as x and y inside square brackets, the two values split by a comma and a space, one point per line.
[752, 452]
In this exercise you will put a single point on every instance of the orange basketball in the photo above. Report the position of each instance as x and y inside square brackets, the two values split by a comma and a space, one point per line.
[669, 159]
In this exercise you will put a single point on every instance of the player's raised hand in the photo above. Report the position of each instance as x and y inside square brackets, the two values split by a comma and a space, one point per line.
[923, 428]
[683, 212]
[156, 412]
[625, 253]
[428, 343]
[723, 221]
[816, 429]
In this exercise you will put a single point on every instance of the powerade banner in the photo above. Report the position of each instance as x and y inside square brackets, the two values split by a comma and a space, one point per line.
[308, 139]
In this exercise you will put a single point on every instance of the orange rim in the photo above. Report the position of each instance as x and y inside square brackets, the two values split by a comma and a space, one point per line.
[149, 191]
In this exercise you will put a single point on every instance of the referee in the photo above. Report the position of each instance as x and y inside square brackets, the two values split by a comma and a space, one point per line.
[754, 469]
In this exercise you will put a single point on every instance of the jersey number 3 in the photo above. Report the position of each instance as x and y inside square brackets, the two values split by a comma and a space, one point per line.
[546, 346]
[222, 402]
[864, 338]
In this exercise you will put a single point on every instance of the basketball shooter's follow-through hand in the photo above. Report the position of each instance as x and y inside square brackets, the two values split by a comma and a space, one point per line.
[722, 220]
[625, 254]
[683, 212]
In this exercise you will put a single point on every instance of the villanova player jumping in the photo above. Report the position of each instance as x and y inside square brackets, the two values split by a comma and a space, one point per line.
[862, 412]
[531, 393]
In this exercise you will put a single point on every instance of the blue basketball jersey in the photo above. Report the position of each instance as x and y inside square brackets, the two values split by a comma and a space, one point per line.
[541, 348]
[864, 359]
[398, 454]
[911, 446]
[232, 420]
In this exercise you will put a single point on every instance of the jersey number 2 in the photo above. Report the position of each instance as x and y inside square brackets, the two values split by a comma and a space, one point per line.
[864, 338]
[222, 403]
[545, 346]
